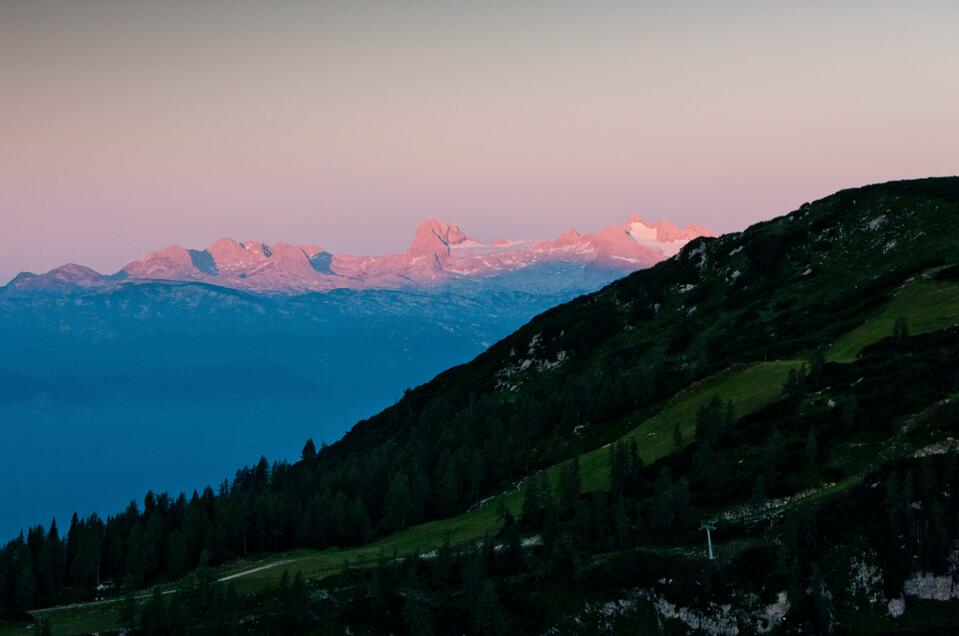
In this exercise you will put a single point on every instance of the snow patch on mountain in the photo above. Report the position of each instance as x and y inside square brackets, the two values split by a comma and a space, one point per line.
[441, 253]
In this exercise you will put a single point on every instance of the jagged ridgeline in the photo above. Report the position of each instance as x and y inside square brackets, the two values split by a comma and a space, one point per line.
[792, 385]
[779, 290]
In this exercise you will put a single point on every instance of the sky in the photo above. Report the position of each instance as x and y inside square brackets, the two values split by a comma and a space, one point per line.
[126, 126]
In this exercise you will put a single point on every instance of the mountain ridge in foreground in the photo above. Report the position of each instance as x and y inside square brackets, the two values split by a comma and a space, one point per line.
[793, 385]
[203, 346]
[439, 254]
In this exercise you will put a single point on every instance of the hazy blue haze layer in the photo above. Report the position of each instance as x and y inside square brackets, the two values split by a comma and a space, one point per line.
[174, 386]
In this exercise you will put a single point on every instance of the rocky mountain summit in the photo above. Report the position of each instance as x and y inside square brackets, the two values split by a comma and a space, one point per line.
[440, 253]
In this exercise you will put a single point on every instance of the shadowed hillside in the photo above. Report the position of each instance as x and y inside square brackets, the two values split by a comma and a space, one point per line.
[792, 384]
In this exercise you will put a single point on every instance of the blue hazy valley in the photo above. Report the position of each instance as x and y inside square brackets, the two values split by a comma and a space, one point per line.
[173, 386]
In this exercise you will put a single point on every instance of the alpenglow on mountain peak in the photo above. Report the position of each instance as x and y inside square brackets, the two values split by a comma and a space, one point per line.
[440, 253]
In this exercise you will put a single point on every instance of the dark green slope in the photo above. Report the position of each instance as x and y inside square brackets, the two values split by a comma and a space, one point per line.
[776, 291]
[829, 489]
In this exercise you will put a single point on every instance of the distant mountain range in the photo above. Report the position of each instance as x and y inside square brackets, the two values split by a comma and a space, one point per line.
[440, 255]
[201, 347]
[792, 390]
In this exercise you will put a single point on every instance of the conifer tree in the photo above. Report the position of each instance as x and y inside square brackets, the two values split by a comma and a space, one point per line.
[531, 512]
[26, 584]
[758, 499]
[299, 599]
[661, 511]
[513, 545]
[900, 329]
[397, 502]
[849, 411]
[619, 467]
[569, 484]
[447, 492]
[812, 446]
[153, 618]
[417, 617]
[620, 521]
[443, 564]
[550, 532]
[774, 458]
[230, 608]
[706, 418]
[176, 616]
[419, 496]
[309, 451]
[128, 608]
[488, 618]
[893, 498]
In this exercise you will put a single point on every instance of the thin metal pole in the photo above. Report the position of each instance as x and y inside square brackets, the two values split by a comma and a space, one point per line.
[708, 527]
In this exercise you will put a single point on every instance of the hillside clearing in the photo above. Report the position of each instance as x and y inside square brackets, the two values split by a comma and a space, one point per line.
[927, 305]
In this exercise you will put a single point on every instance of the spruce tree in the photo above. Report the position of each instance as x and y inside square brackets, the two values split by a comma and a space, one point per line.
[900, 329]
[44, 628]
[153, 618]
[443, 564]
[729, 419]
[706, 418]
[447, 492]
[703, 470]
[128, 608]
[283, 589]
[680, 500]
[661, 511]
[550, 532]
[53, 556]
[893, 499]
[569, 484]
[397, 502]
[417, 617]
[230, 608]
[488, 618]
[299, 599]
[619, 467]
[820, 613]
[936, 546]
[620, 521]
[26, 585]
[176, 617]
[309, 451]
[758, 499]
[774, 458]
[817, 363]
[849, 410]
[812, 446]
[530, 513]
[513, 544]
[419, 497]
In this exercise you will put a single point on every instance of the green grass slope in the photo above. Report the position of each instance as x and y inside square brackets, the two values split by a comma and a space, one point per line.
[927, 303]
[733, 318]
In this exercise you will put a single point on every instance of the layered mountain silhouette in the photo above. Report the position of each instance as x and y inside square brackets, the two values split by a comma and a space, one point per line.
[792, 388]
[440, 253]
[222, 335]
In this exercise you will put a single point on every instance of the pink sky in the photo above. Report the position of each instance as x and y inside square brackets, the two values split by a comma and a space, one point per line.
[125, 128]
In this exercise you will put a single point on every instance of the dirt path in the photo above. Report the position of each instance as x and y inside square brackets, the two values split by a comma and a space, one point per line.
[268, 566]
[144, 595]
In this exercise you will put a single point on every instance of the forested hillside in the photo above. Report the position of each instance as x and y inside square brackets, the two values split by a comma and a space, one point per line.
[772, 382]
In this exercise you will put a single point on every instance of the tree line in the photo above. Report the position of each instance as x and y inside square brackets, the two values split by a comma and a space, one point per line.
[440, 457]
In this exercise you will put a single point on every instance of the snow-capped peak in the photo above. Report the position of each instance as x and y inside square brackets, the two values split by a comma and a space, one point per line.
[439, 252]
[663, 236]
